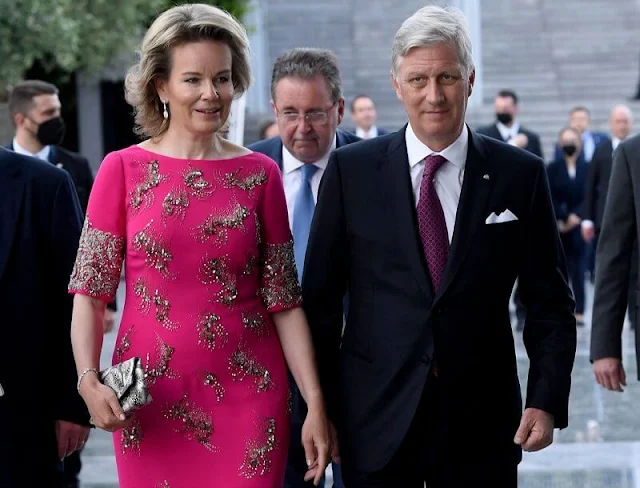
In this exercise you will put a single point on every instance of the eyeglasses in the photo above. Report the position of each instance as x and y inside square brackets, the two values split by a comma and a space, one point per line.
[314, 118]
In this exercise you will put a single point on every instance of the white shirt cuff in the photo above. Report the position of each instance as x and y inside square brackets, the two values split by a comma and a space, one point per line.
[586, 224]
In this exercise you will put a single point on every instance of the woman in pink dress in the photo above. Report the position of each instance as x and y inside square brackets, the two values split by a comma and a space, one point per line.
[213, 301]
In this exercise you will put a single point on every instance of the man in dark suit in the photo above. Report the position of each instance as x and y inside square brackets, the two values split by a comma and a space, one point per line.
[364, 116]
[34, 107]
[620, 123]
[427, 357]
[507, 128]
[617, 247]
[42, 417]
[306, 96]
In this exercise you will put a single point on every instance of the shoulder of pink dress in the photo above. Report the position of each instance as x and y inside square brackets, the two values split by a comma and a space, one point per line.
[265, 161]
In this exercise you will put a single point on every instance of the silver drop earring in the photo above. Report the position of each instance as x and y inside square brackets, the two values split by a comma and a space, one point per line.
[165, 112]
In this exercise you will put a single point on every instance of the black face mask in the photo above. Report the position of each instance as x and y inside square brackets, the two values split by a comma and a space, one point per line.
[51, 132]
[569, 149]
[504, 118]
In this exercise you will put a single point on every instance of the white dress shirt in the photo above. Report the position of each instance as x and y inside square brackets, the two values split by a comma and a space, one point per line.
[508, 133]
[588, 146]
[292, 177]
[448, 179]
[615, 142]
[42, 154]
[367, 134]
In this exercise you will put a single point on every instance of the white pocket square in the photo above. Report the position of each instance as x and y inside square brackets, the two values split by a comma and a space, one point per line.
[503, 217]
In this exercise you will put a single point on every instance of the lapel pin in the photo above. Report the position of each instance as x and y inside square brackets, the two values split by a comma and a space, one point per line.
[486, 177]
[59, 165]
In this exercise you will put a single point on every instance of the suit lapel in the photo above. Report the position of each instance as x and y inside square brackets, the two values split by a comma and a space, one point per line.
[472, 208]
[11, 187]
[396, 178]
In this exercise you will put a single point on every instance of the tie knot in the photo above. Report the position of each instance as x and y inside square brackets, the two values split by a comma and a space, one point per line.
[433, 163]
[308, 170]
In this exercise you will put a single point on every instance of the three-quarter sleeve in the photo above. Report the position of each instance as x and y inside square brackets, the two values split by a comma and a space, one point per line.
[279, 287]
[96, 272]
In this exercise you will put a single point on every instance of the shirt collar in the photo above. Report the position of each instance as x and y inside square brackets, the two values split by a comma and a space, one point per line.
[614, 142]
[42, 154]
[291, 163]
[456, 153]
[508, 132]
[367, 134]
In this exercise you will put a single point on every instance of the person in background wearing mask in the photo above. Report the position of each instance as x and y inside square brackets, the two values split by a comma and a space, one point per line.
[580, 121]
[34, 107]
[567, 179]
[507, 128]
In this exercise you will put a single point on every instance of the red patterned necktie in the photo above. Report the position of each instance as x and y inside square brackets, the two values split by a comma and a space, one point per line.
[431, 221]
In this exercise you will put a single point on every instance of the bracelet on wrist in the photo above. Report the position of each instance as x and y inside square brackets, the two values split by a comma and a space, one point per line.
[83, 374]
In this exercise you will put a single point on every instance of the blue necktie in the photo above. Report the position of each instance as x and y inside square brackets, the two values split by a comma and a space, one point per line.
[302, 215]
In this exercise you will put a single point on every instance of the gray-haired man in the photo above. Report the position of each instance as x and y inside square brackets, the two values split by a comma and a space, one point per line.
[308, 104]
[428, 229]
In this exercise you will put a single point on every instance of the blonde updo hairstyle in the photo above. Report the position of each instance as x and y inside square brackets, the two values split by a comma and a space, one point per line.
[177, 26]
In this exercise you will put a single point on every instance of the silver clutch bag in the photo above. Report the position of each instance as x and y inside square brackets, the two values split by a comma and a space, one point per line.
[126, 379]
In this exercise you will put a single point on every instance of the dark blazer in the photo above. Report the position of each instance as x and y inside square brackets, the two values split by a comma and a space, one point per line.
[364, 239]
[40, 224]
[533, 146]
[597, 183]
[78, 168]
[273, 147]
[619, 234]
[567, 195]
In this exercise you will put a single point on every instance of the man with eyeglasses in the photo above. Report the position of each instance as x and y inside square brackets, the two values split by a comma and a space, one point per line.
[306, 97]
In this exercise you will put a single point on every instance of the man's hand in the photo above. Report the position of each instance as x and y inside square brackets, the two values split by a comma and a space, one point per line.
[535, 431]
[610, 373]
[71, 437]
[109, 320]
[573, 221]
[520, 140]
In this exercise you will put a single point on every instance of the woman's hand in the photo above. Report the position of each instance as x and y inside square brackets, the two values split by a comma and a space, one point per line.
[106, 412]
[316, 440]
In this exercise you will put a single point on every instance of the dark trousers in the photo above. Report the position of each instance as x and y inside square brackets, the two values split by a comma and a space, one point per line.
[72, 467]
[423, 457]
[574, 251]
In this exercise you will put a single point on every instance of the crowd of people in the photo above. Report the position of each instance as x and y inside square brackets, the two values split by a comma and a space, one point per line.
[318, 297]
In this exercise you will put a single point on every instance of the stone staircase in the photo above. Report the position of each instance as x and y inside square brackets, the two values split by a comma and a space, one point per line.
[559, 54]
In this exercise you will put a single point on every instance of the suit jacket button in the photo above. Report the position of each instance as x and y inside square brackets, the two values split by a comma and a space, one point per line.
[426, 360]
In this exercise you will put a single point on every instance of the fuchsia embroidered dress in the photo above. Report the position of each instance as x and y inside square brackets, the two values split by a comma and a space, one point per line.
[208, 256]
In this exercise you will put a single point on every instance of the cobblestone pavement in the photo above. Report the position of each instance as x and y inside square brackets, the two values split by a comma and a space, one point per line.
[599, 449]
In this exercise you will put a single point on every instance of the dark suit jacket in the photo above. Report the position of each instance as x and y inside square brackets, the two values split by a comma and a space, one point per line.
[364, 239]
[78, 168]
[533, 145]
[273, 147]
[40, 224]
[568, 197]
[619, 235]
[598, 175]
